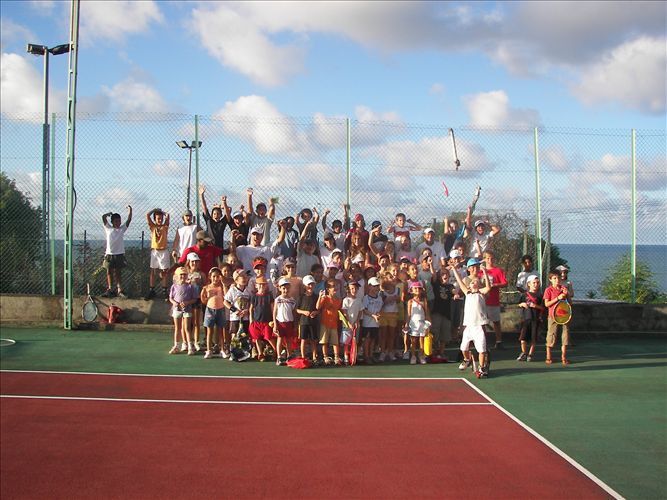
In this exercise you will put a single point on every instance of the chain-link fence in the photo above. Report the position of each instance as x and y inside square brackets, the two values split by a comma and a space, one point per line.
[380, 168]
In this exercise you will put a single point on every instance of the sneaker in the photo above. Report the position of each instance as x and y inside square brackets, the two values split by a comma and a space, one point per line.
[406, 355]
[522, 357]
[121, 295]
[382, 357]
[338, 362]
[413, 360]
[184, 347]
[208, 355]
[244, 356]
[191, 351]
[465, 364]
[347, 361]
[150, 295]
[422, 360]
[224, 354]
[483, 372]
[174, 350]
[499, 346]
[529, 359]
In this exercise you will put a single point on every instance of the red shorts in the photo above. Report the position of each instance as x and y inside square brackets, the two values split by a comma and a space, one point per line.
[286, 330]
[260, 331]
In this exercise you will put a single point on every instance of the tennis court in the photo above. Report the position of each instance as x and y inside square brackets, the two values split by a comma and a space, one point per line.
[134, 422]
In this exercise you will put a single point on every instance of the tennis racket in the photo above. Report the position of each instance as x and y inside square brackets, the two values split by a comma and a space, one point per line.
[89, 309]
[353, 347]
[562, 312]
[457, 162]
[343, 319]
[475, 198]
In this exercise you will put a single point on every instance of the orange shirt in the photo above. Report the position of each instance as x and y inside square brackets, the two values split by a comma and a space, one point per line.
[330, 307]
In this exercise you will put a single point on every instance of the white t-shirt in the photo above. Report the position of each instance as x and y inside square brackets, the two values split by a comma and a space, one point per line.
[484, 243]
[232, 295]
[474, 312]
[373, 305]
[248, 253]
[114, 237]
[186, 237]
[437, 250]
[353, 306]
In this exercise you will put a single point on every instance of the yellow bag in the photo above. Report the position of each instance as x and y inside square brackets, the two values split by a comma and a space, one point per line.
[428, 344]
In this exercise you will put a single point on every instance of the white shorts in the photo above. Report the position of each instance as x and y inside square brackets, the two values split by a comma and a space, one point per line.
[180, 314]
[493, 313]
[476, 335]
[160, 259]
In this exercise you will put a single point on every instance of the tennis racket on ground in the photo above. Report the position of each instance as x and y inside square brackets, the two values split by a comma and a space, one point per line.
[89, 310]
[562, 312]
[353, 347]
[457, 162]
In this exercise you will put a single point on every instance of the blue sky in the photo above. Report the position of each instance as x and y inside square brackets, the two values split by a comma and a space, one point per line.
[504, 65]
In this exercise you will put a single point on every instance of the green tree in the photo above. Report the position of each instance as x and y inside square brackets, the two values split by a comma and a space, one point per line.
[20, 224]
[618, 284]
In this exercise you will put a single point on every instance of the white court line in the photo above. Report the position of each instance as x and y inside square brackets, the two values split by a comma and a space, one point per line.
[249, 403]
[305, 377]
[550, 445]
[645, 354]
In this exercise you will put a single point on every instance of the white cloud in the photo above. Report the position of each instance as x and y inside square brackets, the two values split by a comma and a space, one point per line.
[133, 96]
[554, 157]
[273, 177]
[169, 168]
[436, 89]
[10, 32]
[254, 119]
[633, 74]
[113, 21]
[22, 89]
[431, 156]
[616, 171]
[42, 7]
[492, 110]
[236, 42]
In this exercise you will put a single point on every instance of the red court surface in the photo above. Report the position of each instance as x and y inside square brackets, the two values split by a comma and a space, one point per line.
[103, 436]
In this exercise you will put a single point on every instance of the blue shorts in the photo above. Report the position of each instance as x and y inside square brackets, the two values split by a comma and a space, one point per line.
[214, 317]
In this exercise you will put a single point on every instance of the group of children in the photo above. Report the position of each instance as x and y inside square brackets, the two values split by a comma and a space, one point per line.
[302, 295]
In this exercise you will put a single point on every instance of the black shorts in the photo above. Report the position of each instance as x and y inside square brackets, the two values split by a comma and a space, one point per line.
[234, 326]
[529, 330]
[114, 261]
[309, 332]
[370, 332]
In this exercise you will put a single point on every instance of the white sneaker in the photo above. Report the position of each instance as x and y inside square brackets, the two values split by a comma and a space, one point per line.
[174, 350]
[224, 354]
[464, 365]
[422, 360]
[406, 355]
[208, 355]
[413, 360]
[184, 347]
[382, 357]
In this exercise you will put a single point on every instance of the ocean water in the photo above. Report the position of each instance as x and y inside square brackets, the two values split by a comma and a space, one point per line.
[589, 264]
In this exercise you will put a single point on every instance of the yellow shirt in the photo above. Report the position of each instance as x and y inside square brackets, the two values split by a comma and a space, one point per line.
[159, 236]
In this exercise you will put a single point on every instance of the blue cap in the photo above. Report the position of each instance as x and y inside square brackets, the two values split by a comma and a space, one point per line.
[473, 262]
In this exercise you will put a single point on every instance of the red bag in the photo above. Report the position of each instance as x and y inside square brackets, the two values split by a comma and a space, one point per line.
[114, 314]
[299, 363]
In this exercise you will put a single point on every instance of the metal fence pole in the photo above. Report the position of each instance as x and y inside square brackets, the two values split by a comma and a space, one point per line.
[347, 166]
[196, 218]
[52, 201]
[633, 240]
[538, 210]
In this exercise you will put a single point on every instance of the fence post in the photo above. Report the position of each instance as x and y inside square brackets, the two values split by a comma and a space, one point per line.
[52, 202]
[538, 209]
[347, 166]
[196, 218]
[633, 242]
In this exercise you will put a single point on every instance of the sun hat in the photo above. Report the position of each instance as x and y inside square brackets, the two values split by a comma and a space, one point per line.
[473, 262]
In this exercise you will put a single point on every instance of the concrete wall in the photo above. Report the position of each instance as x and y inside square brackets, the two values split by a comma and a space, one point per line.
[591, 317]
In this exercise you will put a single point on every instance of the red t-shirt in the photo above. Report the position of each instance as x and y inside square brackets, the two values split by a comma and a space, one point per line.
[552, 293]
[496, 277]
[207, 256]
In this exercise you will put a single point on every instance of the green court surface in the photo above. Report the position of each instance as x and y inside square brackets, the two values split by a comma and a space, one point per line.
[607, 410]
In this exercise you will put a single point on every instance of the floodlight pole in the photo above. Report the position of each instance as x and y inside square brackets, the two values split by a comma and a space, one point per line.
[194, 145]
[43, 50]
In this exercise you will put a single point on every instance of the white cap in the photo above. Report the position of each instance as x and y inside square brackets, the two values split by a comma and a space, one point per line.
[532, 277]
[374, 281]
[283, 281]
[562, 268]
[454, 254]
[192, 256]
[429, 230]
[308, 280]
